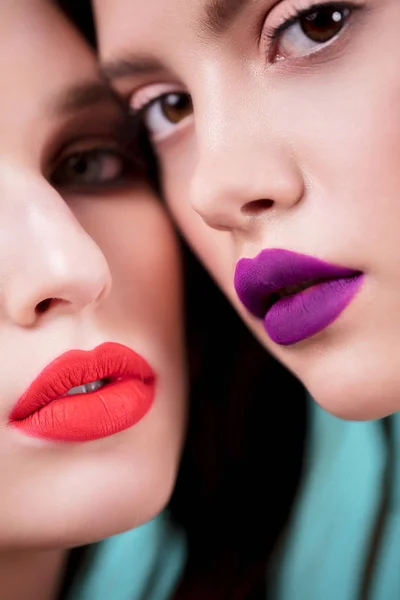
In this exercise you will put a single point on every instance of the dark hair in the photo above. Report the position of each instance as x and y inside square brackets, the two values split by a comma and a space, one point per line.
[244, 450]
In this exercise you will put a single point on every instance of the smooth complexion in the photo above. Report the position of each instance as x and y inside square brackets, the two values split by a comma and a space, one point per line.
[277, 126]
[87, 257]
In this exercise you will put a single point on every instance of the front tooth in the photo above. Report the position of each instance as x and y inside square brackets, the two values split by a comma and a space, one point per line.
[79, 389]
[92, 386]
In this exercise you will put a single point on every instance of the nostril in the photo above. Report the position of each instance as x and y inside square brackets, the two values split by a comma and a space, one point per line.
[255, 207]
[44, 305]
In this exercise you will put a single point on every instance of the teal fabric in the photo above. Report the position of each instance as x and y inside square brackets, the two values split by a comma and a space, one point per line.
[329, 538]
[324, 552]
[141, 564]
[386, 583]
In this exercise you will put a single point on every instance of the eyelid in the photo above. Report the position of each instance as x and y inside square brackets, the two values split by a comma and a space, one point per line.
[93, 145]
[84, 144]
[281, 16]
[147, 94]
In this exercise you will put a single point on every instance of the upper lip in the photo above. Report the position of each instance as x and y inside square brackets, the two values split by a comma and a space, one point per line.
[78, 367]
[272, 271]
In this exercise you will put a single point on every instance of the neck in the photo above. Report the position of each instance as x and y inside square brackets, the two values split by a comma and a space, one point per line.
[29, 575]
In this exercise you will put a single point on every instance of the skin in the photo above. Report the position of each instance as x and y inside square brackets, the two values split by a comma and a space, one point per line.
[92, 248]
[289, 146]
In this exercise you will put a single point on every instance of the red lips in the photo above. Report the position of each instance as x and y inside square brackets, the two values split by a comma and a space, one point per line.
[46, 411]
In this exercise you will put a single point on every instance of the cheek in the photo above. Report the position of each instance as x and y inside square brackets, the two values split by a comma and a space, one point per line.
[137, 239]
[213, 248]
[344, 129]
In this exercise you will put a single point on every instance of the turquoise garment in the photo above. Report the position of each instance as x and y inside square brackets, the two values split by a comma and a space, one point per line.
[386, 584]
[329, 539]
[142, 564]
[324, 553]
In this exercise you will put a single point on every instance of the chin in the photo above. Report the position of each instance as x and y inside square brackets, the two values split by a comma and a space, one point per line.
[123, 504]
[349, 370]
[60, 511]
[355, 391]
[351, 380]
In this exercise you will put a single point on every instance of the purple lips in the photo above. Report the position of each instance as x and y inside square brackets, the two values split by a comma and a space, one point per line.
[296, 295]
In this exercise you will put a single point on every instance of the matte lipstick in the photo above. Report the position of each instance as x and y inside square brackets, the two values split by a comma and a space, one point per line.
[54, 407]
[296, 295]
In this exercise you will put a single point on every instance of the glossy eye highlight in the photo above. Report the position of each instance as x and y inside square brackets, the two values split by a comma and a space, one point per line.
[308, 31]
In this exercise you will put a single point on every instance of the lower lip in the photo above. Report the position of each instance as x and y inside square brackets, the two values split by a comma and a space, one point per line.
[303, 315]
[87, 417]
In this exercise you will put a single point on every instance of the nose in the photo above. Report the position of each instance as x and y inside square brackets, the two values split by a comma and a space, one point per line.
[50, 263]
[242, 171]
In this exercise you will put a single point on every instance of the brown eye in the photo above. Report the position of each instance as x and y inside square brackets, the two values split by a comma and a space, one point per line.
[164, 113]
[324, 24]
[176, 107]
[309, 31]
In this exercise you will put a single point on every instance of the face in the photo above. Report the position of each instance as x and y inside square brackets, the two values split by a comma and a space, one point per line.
[277, 128]
[92, 379]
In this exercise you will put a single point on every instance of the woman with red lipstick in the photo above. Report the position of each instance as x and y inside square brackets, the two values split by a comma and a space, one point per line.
[276, 127]
[93, 382]
[93, 368]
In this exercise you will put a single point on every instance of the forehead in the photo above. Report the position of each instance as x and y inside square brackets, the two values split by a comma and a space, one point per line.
[164, 28]
[140, 22]
[40, 52]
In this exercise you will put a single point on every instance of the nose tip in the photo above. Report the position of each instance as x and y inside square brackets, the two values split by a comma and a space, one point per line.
[228, 207]
[51, 264]
[53, 273]
[240, 175]
[30, 300]
[230, 194]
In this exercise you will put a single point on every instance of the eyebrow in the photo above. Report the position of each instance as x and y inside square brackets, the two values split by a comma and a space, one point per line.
[84, 95]
[130, 66]
[219, 15]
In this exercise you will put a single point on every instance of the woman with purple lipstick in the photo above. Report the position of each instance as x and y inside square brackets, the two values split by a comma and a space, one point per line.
[276, 125]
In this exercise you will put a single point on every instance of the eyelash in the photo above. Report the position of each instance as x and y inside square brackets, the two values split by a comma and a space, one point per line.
[122, 142]
[272, 36]
[294, 15]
